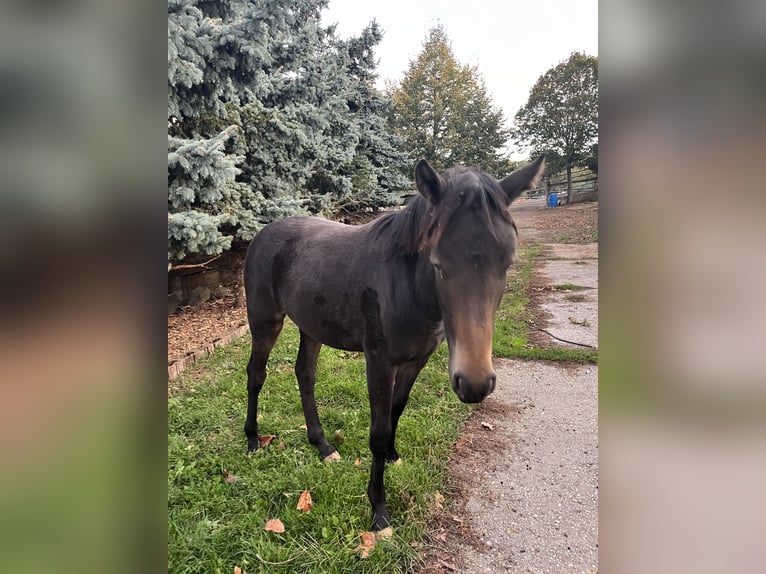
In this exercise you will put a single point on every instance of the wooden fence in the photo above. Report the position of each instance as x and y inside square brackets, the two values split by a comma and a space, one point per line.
[584, 186]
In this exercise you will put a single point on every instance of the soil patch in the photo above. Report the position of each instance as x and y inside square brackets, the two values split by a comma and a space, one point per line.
[537, 223]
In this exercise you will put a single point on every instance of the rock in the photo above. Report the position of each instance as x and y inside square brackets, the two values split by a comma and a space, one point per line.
[174, 302]
[199, 295]
[221, 292]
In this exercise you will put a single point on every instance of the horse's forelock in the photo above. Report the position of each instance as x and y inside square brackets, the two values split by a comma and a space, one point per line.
[419, 226]
[473, 189]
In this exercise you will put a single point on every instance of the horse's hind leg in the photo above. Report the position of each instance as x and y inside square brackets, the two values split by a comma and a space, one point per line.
[306, 373]
[264, 335]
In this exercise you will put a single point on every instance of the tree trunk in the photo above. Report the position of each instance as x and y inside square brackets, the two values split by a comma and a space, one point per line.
[569, 184]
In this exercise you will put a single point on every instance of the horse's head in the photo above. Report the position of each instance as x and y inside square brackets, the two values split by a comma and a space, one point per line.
[472, 243]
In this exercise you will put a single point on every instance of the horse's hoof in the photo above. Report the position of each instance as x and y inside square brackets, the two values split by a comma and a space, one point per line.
[384, 534]
[332, 457]
[398, 462]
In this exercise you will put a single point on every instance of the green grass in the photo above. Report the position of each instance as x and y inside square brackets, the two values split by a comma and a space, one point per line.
[214, 525]
[568, 355]
[513, 319]
[512, 316]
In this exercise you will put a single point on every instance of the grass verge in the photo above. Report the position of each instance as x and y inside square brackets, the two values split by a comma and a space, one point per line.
[513, 319]
[215, 525]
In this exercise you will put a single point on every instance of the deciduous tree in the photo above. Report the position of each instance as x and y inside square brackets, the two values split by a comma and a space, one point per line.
[443, 111]
[561, 114]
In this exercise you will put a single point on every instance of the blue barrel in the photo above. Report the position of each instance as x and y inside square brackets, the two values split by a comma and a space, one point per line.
[553, 200]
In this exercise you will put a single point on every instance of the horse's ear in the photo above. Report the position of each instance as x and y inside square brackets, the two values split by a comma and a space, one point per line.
[523, 179]
[429, 183]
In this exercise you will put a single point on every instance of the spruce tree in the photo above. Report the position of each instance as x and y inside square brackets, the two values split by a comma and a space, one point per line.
[225, 57]
[380, 162]
[269, 115]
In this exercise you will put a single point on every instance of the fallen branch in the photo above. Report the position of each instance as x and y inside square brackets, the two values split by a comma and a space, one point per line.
[193, 265]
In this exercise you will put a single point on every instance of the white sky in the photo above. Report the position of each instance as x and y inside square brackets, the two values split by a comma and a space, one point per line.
[513, 43]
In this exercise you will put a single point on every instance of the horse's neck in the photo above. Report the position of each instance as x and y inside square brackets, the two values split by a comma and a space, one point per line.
[425, 285]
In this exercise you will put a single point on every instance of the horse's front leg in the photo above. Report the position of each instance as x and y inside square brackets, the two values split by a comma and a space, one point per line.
[380, 384]
[405, 377]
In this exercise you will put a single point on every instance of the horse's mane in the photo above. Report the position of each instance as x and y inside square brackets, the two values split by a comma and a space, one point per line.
[410, 230]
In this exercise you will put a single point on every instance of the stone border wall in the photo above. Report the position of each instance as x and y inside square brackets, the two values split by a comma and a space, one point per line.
[180, 365]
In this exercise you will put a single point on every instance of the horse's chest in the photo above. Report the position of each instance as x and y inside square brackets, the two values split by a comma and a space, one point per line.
[412, 337]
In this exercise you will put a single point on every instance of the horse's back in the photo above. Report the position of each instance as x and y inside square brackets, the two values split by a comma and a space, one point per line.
[286, 242]
[307, 268]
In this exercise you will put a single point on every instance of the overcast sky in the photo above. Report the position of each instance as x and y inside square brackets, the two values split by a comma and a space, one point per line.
[513, 43]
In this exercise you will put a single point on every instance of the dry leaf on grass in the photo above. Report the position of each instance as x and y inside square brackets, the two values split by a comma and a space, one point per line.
[228, 477]
[358, 462]
[438, 500]
[238, 570]
[487, 426]
[304, 502]
[265, 440]
[338, 436]
[275, 525]
[367, 545]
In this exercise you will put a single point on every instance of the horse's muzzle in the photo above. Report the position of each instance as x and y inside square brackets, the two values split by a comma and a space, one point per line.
[472, 391]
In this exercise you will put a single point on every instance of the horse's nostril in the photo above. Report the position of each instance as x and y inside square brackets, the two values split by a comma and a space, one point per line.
[492, 383]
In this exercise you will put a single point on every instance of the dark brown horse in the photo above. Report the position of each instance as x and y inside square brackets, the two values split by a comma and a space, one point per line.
[393, 288]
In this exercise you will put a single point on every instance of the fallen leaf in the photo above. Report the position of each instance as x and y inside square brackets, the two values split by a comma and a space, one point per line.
[368, 543]
[304, 502]
[275, 525]
[281, 446]
[338, 437]
[358, 462]
[438, 500]
[265, 440]
[228, 477]
[460, 443]
[238, 570]
[487, 426]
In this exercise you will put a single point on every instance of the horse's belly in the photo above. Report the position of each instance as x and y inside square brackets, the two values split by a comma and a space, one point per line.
[331, 329]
